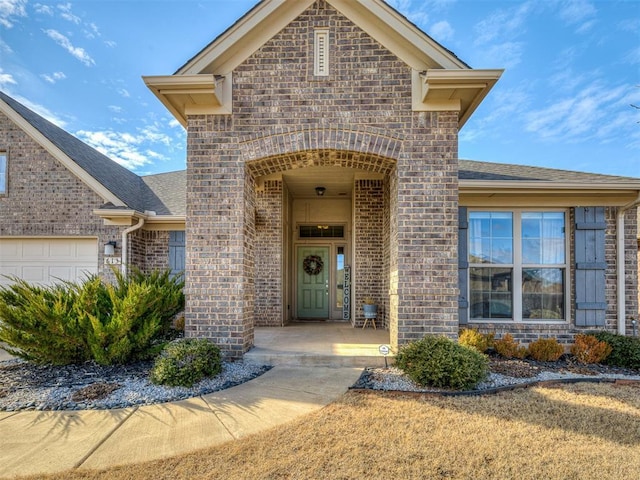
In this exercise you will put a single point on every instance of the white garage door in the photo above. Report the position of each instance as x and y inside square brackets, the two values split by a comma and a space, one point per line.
[45, 260]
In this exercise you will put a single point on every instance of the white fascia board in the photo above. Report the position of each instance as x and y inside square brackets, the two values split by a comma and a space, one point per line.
[192, 94]
[246, 36]
[395, 33]
[500, 186]
[114, 216]
[453, 90]
[98, 188]
[375, 17]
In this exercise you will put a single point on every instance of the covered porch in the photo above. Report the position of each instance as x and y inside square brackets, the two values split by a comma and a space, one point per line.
[335, 344]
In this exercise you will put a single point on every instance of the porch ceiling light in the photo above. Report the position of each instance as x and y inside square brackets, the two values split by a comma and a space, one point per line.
[320, 191]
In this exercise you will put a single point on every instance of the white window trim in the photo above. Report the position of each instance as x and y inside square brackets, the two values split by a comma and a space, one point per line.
[321, 52]
[517, 272]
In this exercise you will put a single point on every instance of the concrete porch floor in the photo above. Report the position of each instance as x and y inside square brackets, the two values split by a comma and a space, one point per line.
[334, 344]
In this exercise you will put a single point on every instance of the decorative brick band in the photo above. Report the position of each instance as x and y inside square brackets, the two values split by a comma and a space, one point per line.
[365, 148]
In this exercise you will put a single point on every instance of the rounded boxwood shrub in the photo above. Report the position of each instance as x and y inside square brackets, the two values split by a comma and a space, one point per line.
[185, 362]
[625, 351]
[470, 337]
[546, 350]
[443, 363]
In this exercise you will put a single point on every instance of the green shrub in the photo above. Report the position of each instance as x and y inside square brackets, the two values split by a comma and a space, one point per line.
[92, 320]
[185, 362]
[470, 337]
[507, 347]
[443, 363]
[138, 319]
[545, 350]
[625, 351]
[588, 349]
[41, 324]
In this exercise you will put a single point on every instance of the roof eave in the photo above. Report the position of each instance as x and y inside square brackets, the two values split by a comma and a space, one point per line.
[502, 185]
[269, 17]
[452, 90]
[185, 95]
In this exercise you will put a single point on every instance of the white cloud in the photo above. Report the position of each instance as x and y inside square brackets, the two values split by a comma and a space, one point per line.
[54, 77]
[91, 30]
[124, 92]
[507, 54]
[579, 13]
[503, 24]
[131, 150]
[115, 108]
[43, 9]
[173, 123]
[505, 107]
[65, 9]
[77, 52]
[6, 79]
[441, 31]
[9, 9]
[41, 110]
[586, 115]
[633, 57]
[4, 47]
[110, 43]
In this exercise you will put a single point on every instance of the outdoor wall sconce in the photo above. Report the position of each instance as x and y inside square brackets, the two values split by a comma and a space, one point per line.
[320, 191]
[110, 248]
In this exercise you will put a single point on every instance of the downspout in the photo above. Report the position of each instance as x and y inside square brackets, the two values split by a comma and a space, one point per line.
[125, 244]
[622, 307]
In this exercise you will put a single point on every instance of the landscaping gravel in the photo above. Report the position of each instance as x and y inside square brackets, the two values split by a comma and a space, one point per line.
[26, 386]
[504, 374]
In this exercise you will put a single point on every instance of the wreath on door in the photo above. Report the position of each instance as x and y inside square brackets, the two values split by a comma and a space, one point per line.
[312, 265]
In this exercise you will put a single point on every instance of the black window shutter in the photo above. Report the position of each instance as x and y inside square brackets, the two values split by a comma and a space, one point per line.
[463, 267]
[176, 252]
[591, 265]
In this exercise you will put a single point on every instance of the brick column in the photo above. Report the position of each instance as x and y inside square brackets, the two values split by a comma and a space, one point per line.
[368, 231]
[220, 234]
[268, 304]
[427, 229]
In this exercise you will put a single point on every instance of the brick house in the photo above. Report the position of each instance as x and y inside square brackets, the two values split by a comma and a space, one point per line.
[322, 169]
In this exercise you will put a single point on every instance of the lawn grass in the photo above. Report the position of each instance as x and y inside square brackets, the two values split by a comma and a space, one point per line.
[576, 431]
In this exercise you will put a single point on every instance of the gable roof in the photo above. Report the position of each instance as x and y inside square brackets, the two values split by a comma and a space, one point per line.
[116, 185]
[440, 80]
[268, 17]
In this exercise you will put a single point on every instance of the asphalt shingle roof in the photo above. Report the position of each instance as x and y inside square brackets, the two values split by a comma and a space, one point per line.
[123, 183]
[169, 193]
[475, 170]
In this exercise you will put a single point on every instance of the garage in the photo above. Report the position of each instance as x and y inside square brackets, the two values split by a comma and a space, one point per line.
[47, 260]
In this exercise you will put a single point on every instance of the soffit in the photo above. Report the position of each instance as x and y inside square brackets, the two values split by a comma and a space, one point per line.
[337, 181]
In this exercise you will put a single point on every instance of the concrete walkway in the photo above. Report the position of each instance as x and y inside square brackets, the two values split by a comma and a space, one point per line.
[48, 442]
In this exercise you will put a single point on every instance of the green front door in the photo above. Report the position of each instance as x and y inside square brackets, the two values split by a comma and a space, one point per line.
[313, 282]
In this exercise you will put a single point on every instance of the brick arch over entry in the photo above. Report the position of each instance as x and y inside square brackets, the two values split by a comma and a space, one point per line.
[363, 148]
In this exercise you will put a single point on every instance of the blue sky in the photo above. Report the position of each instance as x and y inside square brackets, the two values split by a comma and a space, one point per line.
[572, 72]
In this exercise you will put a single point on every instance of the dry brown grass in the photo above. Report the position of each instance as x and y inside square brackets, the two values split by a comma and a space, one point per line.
[579, 431]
